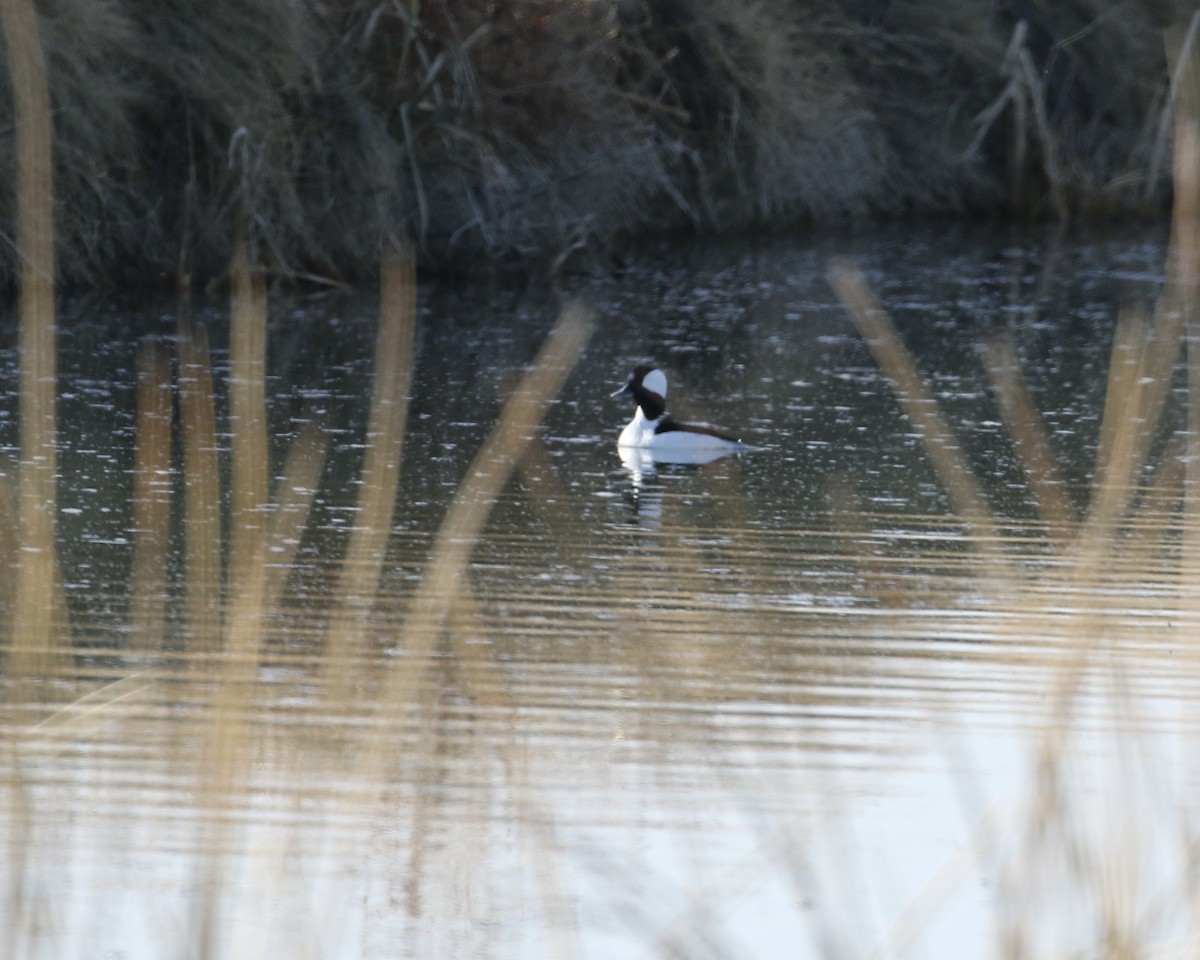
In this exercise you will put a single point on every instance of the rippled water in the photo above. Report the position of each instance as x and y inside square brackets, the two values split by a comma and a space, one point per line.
[782, 704]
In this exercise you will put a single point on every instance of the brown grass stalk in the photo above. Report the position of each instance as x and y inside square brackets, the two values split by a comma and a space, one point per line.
[1138, 374]
[294, 496]
[1028, 432]
[1190, 559]
[151, 497]
[440, 596]
[1184, 276]
[1179, 56]
[915, 399]
[85, 715]
[1145, 352]
[1143, 361]
[33, 617]
[36, 576]
[201, 489]
[246, 590]
[1183, 260]
[1120, 429]
[441, 584]
[244, 613]
[247, 416]
[9, 546]
[363, 563]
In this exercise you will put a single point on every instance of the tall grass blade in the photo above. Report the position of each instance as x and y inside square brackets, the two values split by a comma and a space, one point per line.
[247, 417]
[151, 496]
[9, 556]
[1180, 62]
[81, 717]
[1028, 432]
[1140, 373]
[363, 563]
[34, 610]
[918, 403]
[1144, 353]
[242, 626]
[441, 587]
[294, 496]
[1121, 429]
[34, 613]
[1183, 261]
[201, 489]
[485, 479]
[1184, 277]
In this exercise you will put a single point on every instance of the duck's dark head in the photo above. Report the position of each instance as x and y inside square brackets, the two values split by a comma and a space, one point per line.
[648, 386]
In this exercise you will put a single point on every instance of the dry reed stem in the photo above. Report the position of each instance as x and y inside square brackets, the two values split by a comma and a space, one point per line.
[242, 625]
[1025, 94]
[151, 497]
[440, 586]
[437, 598]
[294, 497]
[1179, 56]
[1028, 432]
[918, 404]
[1140, 373]
[243, 621]
[248, 425]
[1144, 354]
[1122, 430]
[18, 817]
[1031, 75]
[1189, 567]
[201, 489]
[247, 415]
[359, 580]
[247, 589]
[1183, 261]
[33, 617]
[1144, 357]
[1184, 274]
[1139, 376]
[223, 758]
[474, 661]
[1141, 355]
[9, 546]
[80, 718]
[1179, 301]
[960, 869]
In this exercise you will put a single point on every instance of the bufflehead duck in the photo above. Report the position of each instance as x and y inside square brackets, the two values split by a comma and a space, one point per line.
[652, 430]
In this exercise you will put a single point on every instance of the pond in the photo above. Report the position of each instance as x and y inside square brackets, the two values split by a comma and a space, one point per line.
[914, 674]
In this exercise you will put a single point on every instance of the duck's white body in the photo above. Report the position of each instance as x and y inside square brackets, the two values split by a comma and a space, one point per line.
[652, 430]
[640, 433]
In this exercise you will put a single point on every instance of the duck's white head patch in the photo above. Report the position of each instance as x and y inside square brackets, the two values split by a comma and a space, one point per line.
[656, 382]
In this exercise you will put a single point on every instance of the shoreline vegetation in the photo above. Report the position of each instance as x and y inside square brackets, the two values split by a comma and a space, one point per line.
[523, 136]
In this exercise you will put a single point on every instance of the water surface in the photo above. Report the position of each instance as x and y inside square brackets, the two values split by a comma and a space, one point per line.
[782, 704]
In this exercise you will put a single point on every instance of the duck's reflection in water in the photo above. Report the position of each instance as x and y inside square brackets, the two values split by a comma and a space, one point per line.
[646, 490]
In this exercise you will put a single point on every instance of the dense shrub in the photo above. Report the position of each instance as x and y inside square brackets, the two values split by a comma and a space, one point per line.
[512, 135]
